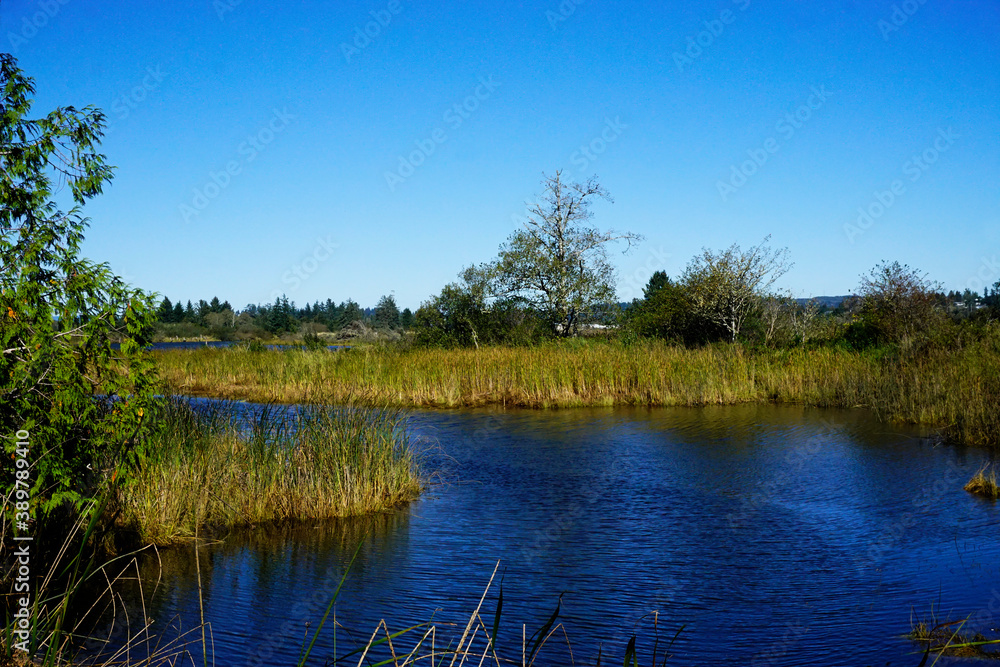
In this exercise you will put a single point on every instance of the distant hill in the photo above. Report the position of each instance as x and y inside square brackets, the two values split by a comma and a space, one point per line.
[828, 301]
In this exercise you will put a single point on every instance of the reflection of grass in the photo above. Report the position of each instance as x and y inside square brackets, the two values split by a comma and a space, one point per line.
[215, 467]
[984, 483]
[948, 639]
[480, 641]
[956, 390]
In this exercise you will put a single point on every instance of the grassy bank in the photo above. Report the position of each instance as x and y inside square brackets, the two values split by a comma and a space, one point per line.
[953, 389]
[222, 465]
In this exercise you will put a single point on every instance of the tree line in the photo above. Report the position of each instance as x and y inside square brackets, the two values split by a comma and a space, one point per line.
[220, 319]
[553, 279]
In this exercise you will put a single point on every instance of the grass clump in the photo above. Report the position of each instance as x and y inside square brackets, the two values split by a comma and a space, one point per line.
[228, 464]
[948, 639]
[984, 483]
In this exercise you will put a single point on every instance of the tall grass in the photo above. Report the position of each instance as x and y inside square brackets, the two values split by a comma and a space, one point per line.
[228, 465]
[956, 390]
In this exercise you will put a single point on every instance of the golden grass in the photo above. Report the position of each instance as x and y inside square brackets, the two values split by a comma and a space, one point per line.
[217, 469]
[955, 390]
[984, 483]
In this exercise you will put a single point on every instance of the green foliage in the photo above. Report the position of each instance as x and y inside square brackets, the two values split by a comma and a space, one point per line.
[727, 287]
[386, 313]
[557, 265]
[350, 312]
[668, 312]
[406, 318]
[312, 341]
[899, 304]
[460, 317]
[280, 317]
[657, 281]
[62, 316]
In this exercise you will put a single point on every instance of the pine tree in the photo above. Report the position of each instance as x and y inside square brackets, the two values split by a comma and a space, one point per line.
[350, 312]
[165, 313]
[386, 315]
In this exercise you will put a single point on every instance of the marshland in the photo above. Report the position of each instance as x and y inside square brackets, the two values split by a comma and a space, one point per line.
[746, 414]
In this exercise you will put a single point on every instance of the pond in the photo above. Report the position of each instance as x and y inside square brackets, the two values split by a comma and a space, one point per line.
[773, 535]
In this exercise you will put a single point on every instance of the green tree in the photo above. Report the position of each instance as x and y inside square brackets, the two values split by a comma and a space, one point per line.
[178, 315]
[460, 316]
[281, 316]
[558, 264]
[61, 315]
[455, 317]
[726, 288]
[406, 318]
[657, 281]
[350, 312]
[165, 313]
[386, 313]
[667, 311]
[899, 303]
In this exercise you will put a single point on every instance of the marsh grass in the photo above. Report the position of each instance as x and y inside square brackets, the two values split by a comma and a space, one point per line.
[226, 464]
[948, 639]
[984, 483]
[484, 638]
[72, 589]
[953, 390]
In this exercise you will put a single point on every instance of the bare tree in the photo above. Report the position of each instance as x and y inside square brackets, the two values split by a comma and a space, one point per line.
[726, 287]
[558, 264]
[773, 308]
[899, 301]
[802, 319]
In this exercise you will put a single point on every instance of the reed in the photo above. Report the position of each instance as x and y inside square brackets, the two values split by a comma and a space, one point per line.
[984, 483]
[225, 464]
[954, 390]
[949, 639]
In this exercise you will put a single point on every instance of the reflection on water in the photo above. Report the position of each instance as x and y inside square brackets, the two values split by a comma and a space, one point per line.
[775, 535]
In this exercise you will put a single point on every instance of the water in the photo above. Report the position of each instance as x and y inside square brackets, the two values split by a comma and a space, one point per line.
[774, 535]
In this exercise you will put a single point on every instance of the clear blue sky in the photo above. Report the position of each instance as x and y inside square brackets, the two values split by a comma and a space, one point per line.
[670, 98]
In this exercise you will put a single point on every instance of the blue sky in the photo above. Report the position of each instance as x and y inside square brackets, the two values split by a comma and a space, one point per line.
[264, 148]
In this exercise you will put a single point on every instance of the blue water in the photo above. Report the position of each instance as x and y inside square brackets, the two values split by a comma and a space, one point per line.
[773, 535]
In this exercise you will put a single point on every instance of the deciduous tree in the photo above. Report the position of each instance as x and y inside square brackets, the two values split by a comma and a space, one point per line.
[70, 330]
[726, 287]
[558, 264]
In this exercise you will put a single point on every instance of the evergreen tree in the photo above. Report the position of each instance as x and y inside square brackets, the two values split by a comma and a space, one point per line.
[215, 306]
[406, 318]
[350, 312]
[189, 314]
[656, 282]
[386, 315]
[165, 313]
[178, 315]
